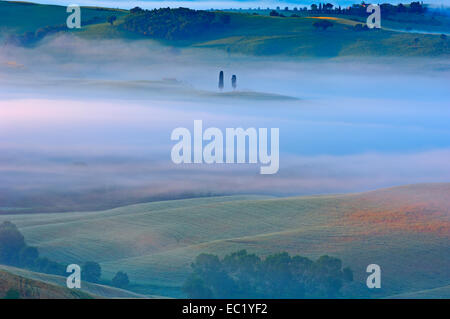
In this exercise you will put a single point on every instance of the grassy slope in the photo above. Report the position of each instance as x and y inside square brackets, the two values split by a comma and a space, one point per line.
[263, 35]
[436, 293]
[87, 288]
[36, 289]
[406, 230]
[20, 17]
[248, 34]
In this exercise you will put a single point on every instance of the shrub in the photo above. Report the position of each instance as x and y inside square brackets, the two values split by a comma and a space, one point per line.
[91, 271]
[120, 280]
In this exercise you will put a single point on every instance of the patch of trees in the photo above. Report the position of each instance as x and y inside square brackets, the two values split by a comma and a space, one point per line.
[30, 38]
[360, 27]
[243, 275]
[14, 251]
[12, 294]
[120, 280]
[175, 24]
[355, 9]
[322, 24]
[360, 9]
[111, 19]
[274, 13]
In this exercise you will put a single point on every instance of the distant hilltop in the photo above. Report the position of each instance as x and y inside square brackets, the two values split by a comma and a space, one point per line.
[320, 30]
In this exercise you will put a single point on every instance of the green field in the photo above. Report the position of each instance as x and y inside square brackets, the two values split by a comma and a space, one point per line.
[20, 17]
[264, 35]
[406, 230]
[245, 33]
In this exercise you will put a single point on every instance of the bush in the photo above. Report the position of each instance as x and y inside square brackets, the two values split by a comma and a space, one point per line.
[28, 256]
[274, 13]
[11, 243]
[111, 19]
[12, 294]
[324, 24]
[120, 280]
[91, 271]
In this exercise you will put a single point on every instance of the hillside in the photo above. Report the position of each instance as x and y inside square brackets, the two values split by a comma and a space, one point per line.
[87, 288]
[20, 17]
[406, 230]
[266, 35]
[436, 293]
[234, 32]
[35, 289]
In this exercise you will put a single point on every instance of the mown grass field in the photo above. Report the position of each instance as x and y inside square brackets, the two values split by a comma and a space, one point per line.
[406, 230]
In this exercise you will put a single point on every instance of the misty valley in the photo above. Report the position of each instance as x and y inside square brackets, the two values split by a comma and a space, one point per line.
[267, 157]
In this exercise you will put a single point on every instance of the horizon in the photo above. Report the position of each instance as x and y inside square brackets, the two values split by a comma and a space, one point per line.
[215, 4]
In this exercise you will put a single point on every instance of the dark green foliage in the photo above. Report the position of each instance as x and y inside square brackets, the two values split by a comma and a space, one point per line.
[348, 274]
[175, 24]
[52, 267]
[28, 256]
[111, 19]
[324, 24]
[30, 38]
[91, 271]
[243, 275]
[361, 27]
[221, 80]
[195, 288]
[14, 251]
[12, 294]
[120, 280]
[136, 10]
[274, 13]
[11, 243]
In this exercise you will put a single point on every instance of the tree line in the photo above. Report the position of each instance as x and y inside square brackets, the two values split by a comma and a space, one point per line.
[244, 275]
[174, 24]
[355, 9]
[14, 251]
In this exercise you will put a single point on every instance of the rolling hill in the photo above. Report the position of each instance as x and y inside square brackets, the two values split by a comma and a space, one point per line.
[87, 290]
[26, 288]
[296, 37]
[406, 230]
[241, 33]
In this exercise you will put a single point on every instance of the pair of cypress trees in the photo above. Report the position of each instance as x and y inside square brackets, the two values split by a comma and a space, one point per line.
[233, 81]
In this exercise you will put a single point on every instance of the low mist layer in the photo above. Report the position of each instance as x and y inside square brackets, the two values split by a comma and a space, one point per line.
[86, 124]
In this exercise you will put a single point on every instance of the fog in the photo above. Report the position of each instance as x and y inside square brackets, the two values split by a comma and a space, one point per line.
[87, 124]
